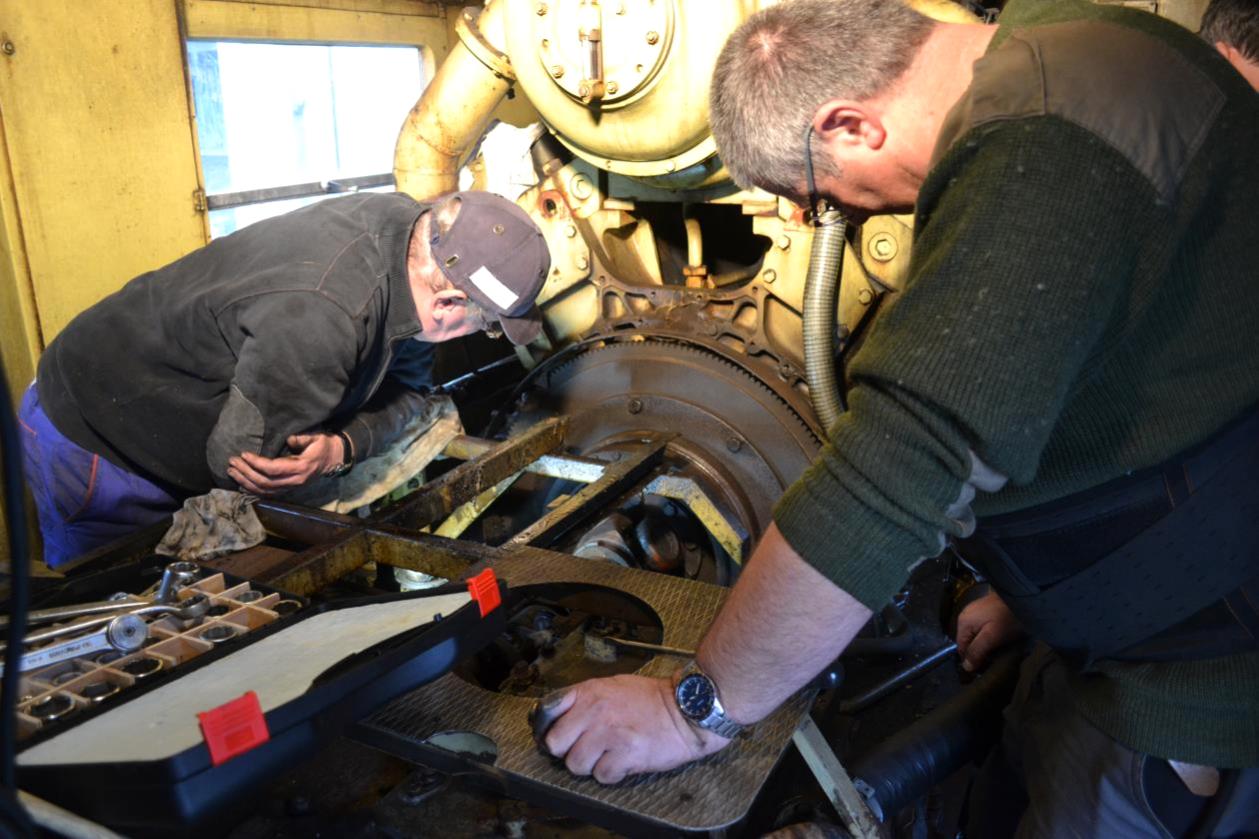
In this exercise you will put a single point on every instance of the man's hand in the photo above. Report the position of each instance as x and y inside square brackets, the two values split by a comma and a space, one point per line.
[620, 726]
[984, 626]
[313, 455]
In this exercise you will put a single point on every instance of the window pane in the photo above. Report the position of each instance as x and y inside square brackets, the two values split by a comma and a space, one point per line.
[278, 114]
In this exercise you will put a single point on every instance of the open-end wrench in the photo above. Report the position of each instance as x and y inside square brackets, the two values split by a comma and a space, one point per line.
[125, 633]
[191, 609]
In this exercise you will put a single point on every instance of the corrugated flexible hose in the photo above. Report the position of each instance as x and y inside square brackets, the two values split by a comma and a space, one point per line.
[821, 298]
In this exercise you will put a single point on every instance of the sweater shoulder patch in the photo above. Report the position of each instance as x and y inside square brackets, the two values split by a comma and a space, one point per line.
[1138, 94]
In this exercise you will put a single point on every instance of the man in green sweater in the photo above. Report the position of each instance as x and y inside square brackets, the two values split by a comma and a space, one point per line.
[1071, 361]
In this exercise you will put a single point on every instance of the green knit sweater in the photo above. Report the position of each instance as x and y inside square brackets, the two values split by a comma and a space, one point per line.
[1083, 302]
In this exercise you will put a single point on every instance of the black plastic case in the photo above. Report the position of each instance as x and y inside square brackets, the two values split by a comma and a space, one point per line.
[186, 791]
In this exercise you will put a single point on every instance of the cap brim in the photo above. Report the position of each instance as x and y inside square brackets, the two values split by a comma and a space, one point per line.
[524, 329]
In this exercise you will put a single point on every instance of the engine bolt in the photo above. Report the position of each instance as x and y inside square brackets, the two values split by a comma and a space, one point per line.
[582, 189]
[570, 230]
[583, 263]
[883, 247]
[613, 87]
[635, 406]
[653, 37]
[769, 275]
[784, 242]
[557, 71]
[865, 296]
[733, 444]
[541, 9]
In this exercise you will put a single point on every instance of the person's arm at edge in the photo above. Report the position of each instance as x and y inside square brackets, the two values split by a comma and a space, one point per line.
[779, 603]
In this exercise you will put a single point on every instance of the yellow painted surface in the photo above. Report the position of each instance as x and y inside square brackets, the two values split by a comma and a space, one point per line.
[228, 19]
[95, 112]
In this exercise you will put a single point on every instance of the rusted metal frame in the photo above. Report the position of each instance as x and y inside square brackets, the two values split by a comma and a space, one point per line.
[321, 567]
[438, 499]
[564, 467]
[617, 478]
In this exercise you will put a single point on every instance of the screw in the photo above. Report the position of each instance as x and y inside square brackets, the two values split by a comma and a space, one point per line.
[541, 9]
[635, 406]
[733, 444]
[883, 247]
[557, 71]
[8, 47]
[653, 37]
[769, 275]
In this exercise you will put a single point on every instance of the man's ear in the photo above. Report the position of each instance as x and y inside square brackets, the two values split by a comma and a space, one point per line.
[446, 300]
[844, 123]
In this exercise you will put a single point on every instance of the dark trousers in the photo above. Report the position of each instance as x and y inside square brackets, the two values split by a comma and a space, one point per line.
[1055, 775]
[84, 501]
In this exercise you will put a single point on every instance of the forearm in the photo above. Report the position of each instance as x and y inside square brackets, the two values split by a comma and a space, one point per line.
[781, 625]
[383, 419]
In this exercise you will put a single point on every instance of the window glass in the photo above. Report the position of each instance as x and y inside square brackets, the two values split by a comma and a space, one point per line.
[274, 115]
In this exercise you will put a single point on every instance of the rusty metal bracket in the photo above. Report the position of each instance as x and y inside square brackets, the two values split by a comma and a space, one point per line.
[617, 478]
[438, 499]
[470, 34]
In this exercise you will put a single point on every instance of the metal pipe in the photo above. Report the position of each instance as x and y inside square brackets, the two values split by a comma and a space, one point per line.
[821, 298]
[455, 109]
[694, 242]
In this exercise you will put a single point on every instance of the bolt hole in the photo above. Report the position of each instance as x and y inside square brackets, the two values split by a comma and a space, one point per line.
[549, 207]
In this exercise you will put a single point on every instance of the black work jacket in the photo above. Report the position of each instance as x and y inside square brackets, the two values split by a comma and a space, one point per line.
[301, 322]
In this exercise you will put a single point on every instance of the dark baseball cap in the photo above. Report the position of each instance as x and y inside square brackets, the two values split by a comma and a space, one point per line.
[495, 254]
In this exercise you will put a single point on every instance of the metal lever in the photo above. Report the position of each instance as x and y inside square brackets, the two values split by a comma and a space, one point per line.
[64, 613]
[125, 633]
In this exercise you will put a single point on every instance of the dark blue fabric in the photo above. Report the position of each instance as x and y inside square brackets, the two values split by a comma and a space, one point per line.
[84, 501]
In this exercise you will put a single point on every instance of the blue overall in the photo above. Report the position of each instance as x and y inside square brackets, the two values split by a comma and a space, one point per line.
[84, 501]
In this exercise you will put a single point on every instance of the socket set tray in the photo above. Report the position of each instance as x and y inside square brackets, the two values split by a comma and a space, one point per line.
[182, 745]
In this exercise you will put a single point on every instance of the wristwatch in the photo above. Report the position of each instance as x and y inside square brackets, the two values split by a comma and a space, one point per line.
[697, 699]
[347, 459]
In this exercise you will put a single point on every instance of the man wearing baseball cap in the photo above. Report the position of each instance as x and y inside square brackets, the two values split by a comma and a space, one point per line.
[287, 351]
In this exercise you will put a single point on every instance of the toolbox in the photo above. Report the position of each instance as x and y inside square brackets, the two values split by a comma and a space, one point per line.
[239, 697]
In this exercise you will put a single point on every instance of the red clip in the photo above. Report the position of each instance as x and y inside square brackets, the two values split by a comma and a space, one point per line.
[234, 728]
[484, 590]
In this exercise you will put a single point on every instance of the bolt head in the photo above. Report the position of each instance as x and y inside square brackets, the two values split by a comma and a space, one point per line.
[583, 263]
[635, 406]
[769, 275]
[733, 444]
[613, 87]
[653, 37]
[865, 296]
[557, 71]
[8, 47]
[784, 242]
[542, 10]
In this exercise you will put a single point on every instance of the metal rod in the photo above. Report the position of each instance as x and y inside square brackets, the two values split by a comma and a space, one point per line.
[245, 197]
[874, 694]
[655, 648]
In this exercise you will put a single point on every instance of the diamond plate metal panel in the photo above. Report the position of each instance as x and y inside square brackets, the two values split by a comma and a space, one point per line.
[707, 795]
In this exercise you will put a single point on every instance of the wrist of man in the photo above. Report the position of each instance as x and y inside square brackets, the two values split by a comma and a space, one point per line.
[347, 456]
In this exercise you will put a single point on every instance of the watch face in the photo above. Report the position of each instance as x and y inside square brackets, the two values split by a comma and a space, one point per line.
[696, 695]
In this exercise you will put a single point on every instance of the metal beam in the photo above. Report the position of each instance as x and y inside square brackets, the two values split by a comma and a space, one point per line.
[616, 479]
[438, 499]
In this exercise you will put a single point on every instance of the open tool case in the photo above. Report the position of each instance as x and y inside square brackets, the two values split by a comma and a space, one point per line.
[185, 745]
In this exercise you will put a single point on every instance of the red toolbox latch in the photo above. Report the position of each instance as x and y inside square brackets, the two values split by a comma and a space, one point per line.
[484, 590]
[234, 728]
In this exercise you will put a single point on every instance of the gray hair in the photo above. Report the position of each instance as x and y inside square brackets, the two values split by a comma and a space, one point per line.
[782, 63]
[1235, 23]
